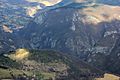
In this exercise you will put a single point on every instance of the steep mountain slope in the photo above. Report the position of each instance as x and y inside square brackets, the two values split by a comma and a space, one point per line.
[55, 64]
[114, 57]
[83, 30]
[108, 61]
[71, 30]
[81, 12]
[80, 28]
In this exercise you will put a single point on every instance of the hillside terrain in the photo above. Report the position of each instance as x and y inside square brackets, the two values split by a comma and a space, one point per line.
[81, 32]
[89, 33]
[109, 77]
[46, 64]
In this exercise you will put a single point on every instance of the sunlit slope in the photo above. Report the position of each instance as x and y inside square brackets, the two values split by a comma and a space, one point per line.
[109, 77]
[46, 2]
[102, 13]
[20, 54]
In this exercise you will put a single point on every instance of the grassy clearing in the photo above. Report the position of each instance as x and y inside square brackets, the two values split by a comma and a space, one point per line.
[5, 73]
[109, 77]
[48, 75]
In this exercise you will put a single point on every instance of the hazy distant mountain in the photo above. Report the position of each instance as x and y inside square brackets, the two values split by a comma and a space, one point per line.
[110, 2]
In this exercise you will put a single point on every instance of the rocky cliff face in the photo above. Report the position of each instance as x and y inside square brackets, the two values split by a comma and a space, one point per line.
[107, 60]
[88, 32]
[114, 57]
[73, 30]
